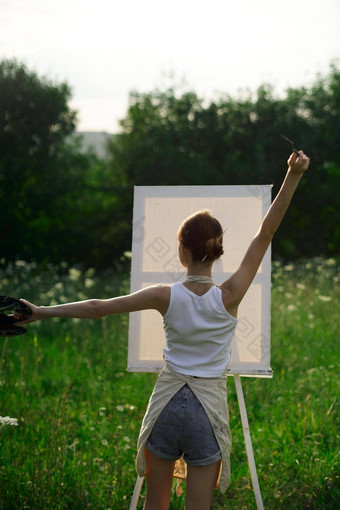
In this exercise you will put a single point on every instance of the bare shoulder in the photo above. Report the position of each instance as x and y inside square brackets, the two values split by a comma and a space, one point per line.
[159, 294]
[164, 296]
[161, 290]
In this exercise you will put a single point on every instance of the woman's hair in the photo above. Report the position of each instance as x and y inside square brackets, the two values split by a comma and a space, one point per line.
[202, 234]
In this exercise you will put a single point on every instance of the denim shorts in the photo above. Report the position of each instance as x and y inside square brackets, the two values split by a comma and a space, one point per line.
[183, 427]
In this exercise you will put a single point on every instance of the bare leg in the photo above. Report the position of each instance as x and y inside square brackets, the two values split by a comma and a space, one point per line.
[201, 482]
[158, 475]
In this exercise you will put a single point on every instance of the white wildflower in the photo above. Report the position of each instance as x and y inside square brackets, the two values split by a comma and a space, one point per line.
[20, 263]
[301, 286]
[75, 274]
[325, 298]
[120, 408]
[291, 308]
[89, 283]
[6, 420]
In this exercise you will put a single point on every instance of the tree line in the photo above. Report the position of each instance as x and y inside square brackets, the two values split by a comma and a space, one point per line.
[61, 204]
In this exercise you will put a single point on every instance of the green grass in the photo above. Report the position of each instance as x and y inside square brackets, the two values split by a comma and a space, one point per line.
[79, 411]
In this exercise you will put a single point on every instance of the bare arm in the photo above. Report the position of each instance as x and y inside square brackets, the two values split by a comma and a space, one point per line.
[155, 297]
[237, 285]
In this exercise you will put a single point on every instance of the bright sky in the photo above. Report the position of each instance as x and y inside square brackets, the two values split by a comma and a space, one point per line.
[105, 48]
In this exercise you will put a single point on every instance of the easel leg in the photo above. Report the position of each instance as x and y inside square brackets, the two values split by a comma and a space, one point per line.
[247, 439]
[136, 493]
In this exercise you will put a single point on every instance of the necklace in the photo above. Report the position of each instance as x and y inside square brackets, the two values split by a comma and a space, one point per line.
[198, 279]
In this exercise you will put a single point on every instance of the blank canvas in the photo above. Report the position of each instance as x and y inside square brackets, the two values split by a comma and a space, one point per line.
[158, 213]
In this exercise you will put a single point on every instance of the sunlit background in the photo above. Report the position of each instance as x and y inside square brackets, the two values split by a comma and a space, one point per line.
[105, 48]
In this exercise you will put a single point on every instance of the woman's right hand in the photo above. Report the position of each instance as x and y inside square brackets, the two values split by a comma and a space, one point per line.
[298, 163]
[23, 319]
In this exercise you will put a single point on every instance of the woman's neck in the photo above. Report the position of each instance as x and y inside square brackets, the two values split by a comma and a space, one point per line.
[200, 270]
[198, 281]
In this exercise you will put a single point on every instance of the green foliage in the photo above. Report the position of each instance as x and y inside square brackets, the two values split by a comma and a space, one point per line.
[52, 196]
[177, 139]
[79, 411]
[34, 119]
[63, 205]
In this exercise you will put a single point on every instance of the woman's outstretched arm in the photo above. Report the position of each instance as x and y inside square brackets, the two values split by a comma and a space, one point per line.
[155, 297]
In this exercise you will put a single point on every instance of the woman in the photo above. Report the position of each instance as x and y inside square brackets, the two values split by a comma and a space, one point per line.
[187, 415]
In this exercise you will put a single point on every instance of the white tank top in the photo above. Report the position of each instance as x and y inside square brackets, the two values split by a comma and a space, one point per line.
[198, 331]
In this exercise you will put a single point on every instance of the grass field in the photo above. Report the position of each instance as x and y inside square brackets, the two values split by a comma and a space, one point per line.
[78, 411]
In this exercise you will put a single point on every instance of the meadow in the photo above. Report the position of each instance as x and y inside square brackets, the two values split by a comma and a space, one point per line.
[78, 411]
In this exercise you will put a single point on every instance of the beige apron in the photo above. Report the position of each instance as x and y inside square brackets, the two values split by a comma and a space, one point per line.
[212, 393]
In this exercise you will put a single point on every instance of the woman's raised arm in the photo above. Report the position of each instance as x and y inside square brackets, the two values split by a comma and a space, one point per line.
[237, 285]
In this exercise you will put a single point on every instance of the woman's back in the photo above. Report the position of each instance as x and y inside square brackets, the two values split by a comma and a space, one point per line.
[198, 331]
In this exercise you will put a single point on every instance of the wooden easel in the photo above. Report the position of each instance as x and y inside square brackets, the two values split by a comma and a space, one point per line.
[247, 440]
[249, 450]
